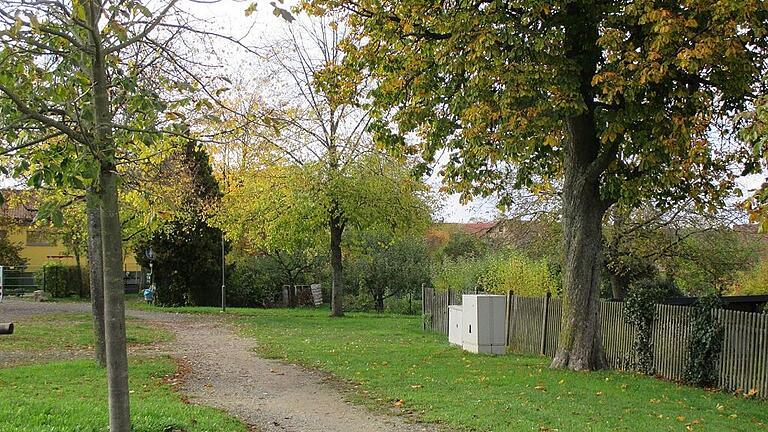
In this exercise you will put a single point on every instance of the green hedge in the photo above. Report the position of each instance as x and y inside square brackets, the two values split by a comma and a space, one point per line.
[60, 280]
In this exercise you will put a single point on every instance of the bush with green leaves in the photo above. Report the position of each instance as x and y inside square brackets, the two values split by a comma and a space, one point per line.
[253, 281]
[385, 268]
[461, 274]
[753, 281]
[498, 273]
[60, 280]
[705, 343]
[640, 313]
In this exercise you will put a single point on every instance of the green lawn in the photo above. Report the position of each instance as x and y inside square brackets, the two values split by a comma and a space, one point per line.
[71, 396]
[69, 331]
[390, 359]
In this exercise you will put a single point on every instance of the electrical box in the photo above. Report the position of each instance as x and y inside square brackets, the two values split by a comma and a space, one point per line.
[483, 326]
[454, 324]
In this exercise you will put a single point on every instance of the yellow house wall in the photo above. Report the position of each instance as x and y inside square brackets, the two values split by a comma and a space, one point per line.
[38, 255]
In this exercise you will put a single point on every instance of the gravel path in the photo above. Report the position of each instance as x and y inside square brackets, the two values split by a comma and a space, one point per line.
[224, 372]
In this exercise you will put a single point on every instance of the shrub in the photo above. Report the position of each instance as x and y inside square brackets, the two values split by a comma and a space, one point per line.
[516, 272]
[753, 281]
[705, 344]
[60, 280]
[457, 274]
[405, 305]
[498, 273]
[253, 281]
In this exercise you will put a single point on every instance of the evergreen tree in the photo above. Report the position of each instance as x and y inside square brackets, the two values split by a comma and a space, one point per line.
[187, 265]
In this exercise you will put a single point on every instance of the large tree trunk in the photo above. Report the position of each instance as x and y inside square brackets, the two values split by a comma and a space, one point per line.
[96, 280]
[337, 288]
[114, 306]
[580, 346]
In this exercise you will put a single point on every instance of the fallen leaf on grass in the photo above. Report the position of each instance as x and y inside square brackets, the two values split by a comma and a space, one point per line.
[398, 403]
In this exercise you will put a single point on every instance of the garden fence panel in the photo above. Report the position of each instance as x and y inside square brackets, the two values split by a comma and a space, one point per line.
[527, 330]
[618, 336]
[554, 321]
[743, 363]
[670, 339]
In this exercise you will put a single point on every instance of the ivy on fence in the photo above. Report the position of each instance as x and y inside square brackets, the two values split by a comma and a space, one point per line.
[705, 344]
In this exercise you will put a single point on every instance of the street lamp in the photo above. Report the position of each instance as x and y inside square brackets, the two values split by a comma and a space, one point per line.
[223, 275]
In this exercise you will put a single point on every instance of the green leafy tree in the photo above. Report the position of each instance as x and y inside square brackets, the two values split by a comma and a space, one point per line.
[617, 100]
[281, 210]
[710, 262]
[78, 97]
[315, 136]
[10, 252]
[462, 244]
[387, 267]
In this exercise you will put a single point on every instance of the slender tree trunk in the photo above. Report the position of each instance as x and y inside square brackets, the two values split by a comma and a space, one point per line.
[292, 300]
[114, 306]
[79, 265]
[618, 287]
[96, 277]
[337, 288]
[580, 346]
[379, 302]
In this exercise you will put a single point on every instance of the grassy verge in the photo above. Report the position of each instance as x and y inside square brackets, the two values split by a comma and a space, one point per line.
[72, 396]
[391, 361]
[68, 331]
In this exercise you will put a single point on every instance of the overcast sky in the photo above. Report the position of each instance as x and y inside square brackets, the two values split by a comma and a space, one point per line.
[263, 28]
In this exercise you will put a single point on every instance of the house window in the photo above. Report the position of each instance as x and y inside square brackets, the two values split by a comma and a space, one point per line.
[39, 238]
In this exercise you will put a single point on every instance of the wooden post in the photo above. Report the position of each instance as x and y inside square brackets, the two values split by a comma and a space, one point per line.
[423, 306]
[432, 311]
[544, 318]
[508, 317]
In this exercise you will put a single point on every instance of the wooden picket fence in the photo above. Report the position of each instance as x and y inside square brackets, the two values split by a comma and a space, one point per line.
[534, 328]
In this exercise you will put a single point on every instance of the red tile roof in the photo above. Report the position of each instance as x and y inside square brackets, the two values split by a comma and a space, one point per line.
[17, 207]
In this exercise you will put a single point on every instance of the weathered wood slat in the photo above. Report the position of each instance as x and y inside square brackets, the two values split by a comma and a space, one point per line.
[534, 326]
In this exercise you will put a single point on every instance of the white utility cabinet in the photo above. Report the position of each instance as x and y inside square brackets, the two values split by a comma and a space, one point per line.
[483, 328]
[454, 324]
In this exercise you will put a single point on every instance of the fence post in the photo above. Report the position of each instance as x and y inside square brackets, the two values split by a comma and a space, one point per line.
[423, 306]
[508, 317]
[432, 310]
[544, 318]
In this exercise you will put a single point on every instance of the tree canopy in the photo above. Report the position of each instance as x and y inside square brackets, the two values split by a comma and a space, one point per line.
[620, 101]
